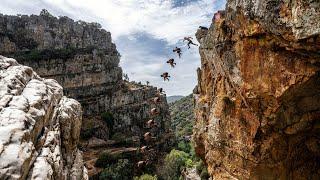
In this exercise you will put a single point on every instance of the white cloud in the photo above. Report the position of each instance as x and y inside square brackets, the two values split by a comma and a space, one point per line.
[125, 17]
[128, 18]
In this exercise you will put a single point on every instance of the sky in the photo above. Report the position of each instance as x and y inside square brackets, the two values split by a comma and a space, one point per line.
[144, 31]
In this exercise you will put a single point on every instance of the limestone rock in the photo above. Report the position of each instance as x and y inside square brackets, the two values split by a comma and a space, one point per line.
[39, 127]
[257, 100]
[79, 55]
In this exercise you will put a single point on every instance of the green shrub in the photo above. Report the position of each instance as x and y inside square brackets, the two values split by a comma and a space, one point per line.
[123, 170]
[202, 170]
[183, 146]
[87, 133]
[105, 159]
[174, 162]
[204, 174]
[108, 118]
[119, 137]
[199, 167]
[146, 177]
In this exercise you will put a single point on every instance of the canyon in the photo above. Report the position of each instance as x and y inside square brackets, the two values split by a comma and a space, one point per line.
[82, 58]
[65, 109]
[257, 99]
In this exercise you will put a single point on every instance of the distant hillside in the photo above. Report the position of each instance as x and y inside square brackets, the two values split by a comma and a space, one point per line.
[171, 99]
[182, 118]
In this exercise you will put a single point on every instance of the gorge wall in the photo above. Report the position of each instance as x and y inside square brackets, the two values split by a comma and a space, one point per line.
[257, 100]
[79, 55]
[83, 59]
[39, 127]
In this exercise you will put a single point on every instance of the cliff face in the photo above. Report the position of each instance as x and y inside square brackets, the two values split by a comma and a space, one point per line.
[257, 99]
[83, 59]
[79, 55]
[39, 127]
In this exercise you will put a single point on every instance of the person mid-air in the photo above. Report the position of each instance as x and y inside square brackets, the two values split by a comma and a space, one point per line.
[177, 50]
[165, 76]
[189, 39]
[171, 62]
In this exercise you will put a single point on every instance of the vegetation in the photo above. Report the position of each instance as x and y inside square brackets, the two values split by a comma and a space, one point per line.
[174, 163]
[122, 139]
[182, 118]
[146, 177]
[185, 147]
[120, 170]
[202, 170]
[181, 157]
[87, 133]
[108, 118]
[105, 159]
[204, 175]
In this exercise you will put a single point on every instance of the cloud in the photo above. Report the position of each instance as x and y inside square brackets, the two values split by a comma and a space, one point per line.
[163, 19]
[145, 31]
[144, 59]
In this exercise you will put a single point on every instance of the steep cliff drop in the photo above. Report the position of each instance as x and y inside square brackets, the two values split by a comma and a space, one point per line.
[257, 99]
[83, 59]
[39, 127]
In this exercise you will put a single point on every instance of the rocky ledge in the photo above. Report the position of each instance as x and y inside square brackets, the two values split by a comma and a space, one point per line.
[39, 127]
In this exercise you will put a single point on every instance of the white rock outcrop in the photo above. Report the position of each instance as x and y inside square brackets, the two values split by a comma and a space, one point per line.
[39, 127]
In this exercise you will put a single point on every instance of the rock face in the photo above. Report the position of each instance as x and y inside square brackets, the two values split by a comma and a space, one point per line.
[83, 59]
[79, 55]
[39, 127]
[257, 99]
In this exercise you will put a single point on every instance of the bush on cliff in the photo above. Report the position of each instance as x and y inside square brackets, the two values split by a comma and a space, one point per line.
[202, 170]
[87, 133]
[123, 170]
[204, 174]
[105, 159]
[108, 118]
[184, 146]
[146, 177]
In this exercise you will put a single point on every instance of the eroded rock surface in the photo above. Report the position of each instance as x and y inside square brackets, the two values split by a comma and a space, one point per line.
[79, 55]
[39, 127]
[83, 59]
[257, 100]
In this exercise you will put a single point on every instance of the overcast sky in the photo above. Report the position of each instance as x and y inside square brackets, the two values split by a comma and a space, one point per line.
[145, 32]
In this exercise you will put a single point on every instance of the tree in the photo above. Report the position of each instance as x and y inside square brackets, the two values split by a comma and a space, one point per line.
[121, 170]
[174, 162]
[45, 12]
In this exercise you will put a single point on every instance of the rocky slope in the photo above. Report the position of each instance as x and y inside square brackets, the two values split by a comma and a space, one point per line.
[39, 127]
[257, 99]
[83, 59]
